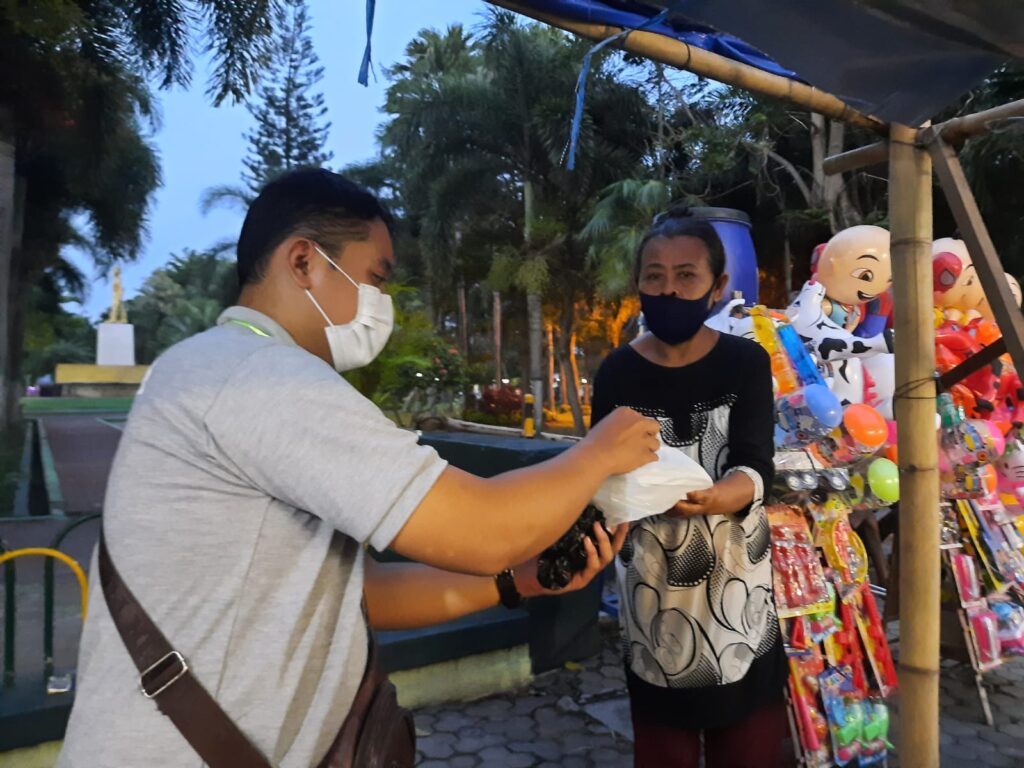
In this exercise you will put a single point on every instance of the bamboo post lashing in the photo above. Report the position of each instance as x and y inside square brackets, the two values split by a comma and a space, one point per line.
[910, 221]
[678, 54]
[952, 131]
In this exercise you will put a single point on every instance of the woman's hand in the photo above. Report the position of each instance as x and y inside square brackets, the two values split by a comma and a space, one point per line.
[726, 497]
[599, 557]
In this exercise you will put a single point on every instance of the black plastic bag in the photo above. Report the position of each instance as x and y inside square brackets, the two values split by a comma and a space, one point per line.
[566, 557]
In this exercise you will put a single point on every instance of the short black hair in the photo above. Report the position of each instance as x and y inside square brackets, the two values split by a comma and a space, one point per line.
[309, 202]
[680, 222]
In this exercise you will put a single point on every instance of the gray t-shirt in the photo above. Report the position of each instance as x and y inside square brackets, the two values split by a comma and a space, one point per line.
[248, 477]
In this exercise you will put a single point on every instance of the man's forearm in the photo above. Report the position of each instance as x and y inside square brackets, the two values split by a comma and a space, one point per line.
[492, 524]
[410, 595]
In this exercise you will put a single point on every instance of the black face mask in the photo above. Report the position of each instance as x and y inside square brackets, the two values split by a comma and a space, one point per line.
[674, 320]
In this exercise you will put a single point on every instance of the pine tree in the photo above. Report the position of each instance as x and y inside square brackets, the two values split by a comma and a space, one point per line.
[290, 130]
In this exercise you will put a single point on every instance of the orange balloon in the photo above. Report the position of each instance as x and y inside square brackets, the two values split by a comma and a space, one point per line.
[892, 454]
[987, 332]
[865, 425]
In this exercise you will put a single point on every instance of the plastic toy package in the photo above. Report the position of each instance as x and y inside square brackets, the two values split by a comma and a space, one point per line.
[966, 575]
[798, 579]
[984, 627]
[859, 726]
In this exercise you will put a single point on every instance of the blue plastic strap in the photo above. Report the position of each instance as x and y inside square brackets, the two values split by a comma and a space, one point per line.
[581, 83]
[364, 68]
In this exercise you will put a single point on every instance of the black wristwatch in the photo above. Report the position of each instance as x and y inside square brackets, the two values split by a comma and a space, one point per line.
[507, 591]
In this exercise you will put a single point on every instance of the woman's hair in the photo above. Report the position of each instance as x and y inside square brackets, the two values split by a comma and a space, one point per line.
[679, 222]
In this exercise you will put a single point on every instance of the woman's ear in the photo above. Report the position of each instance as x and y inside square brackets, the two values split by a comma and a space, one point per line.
[720, 284]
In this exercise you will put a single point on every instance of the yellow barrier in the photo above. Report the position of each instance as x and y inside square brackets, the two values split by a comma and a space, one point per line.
[83, 582]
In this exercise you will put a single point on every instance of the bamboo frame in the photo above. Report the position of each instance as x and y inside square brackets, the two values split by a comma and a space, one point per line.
[910, 221]
[706, 64]
[952, 131]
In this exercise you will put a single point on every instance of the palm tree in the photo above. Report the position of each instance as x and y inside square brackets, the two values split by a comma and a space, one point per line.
[71, 126]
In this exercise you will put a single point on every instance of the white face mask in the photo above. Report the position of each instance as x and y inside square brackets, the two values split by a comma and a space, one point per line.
[357, 343]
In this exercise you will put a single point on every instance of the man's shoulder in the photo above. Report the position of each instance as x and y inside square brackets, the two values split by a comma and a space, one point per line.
[199, 368]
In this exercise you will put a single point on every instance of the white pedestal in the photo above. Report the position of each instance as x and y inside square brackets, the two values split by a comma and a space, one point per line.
[115, 344]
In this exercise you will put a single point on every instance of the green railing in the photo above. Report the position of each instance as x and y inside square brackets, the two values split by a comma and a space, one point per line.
[48, 589]
[51, 553]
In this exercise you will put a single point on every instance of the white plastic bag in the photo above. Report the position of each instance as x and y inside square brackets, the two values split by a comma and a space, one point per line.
[652, 489]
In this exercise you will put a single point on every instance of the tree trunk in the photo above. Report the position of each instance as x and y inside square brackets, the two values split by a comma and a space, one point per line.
[829, 192]
[819, 137]
[7, 198]
[787, 265]
[535, 317]
[551, 366]
[17, 289]
[463, 322]
[534, 311]
[574, 391]
[563, 391]
[570, 383]
[833, 185]
[497, 337]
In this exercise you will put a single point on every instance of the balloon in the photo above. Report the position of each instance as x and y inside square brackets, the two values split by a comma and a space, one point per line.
[892, 453]
[884, 480]
[865, 425]
[823, 404]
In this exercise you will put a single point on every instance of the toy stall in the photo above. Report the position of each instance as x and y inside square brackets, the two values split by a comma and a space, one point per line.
[832, 363]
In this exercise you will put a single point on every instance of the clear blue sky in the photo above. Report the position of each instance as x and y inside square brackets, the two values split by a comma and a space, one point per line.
[201, 146]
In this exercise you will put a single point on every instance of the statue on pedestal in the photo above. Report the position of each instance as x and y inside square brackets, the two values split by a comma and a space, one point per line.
[117, 310]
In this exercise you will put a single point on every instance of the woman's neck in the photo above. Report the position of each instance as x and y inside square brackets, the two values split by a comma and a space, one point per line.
[678, 355]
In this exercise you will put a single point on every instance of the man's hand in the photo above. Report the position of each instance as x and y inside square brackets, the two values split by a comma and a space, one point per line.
[623, 441]
[598, 558]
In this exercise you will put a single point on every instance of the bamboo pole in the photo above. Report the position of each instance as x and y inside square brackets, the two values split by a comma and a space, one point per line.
[952, 132]
[910, 219]
[678, 54]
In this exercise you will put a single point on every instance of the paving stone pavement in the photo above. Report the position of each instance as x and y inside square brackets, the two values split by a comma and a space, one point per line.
[579, 717]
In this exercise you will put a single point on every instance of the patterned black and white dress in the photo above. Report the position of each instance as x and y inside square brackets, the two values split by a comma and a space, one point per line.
[700, 635]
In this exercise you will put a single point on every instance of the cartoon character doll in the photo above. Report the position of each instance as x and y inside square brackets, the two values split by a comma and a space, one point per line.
[851, 270]
[958, 291]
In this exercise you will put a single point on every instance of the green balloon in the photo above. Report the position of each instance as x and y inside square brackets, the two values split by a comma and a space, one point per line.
[884, 480]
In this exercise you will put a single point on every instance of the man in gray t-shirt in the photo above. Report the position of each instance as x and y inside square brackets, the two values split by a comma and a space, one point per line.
[250, 475]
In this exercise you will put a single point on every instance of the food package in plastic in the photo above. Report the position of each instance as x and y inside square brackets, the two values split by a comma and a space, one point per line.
[652, 489]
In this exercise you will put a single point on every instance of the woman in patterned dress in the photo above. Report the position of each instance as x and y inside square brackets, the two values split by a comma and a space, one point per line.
[703, 653]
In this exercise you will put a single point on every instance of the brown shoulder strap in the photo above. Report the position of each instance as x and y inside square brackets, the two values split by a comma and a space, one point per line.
[164, 676]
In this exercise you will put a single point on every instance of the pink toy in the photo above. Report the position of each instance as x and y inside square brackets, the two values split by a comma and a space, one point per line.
[985, 629]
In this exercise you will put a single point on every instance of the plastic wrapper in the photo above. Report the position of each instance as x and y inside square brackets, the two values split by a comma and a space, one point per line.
[653, 489]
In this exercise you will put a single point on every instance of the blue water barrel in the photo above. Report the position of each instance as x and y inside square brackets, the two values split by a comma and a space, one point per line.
[733, 228]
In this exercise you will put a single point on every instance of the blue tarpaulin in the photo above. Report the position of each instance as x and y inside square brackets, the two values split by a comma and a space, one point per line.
[899, 60]
[634, 15]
